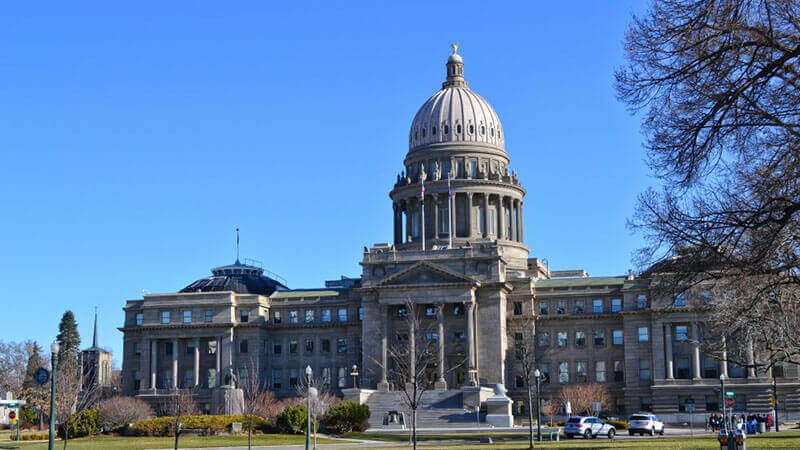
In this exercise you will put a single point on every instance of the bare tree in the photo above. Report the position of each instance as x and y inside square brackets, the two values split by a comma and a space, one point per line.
[718, 84]
[71, 396]
[411, 356]
[181, 403]
[582, 396]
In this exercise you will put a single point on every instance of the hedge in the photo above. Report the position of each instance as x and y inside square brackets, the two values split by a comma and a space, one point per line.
[164, 426]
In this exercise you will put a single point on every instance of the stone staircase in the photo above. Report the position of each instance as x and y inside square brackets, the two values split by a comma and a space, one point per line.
[439, 409]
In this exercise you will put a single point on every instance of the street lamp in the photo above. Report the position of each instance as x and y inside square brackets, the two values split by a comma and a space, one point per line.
[309, 372]
[354, 374]
[54, 348]
[724, 409]
[538, 375]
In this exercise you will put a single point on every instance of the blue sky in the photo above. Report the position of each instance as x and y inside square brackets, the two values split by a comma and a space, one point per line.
[135, 138]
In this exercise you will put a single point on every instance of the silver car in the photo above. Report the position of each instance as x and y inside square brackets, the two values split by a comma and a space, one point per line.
[588, 427]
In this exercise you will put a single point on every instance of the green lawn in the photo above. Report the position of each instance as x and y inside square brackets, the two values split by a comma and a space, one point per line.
[104, 442]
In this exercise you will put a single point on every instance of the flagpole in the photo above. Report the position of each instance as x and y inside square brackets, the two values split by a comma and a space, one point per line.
[449, 212]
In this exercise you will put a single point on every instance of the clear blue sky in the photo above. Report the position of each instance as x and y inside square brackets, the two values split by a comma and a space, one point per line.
[135, 138]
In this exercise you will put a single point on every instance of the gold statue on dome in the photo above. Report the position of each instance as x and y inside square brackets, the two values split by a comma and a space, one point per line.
[454, 46]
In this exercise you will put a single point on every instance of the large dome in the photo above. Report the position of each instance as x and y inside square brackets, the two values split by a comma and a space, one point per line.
[456, 114]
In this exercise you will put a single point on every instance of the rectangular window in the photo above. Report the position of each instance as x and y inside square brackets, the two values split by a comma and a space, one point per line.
[309, 316]
[563, 372]
[641, 301]
[309, 346]
[684, 371]
[561, 339]
[619, 371]
[292, 347]
[580, 338]
[644, 334]
[341, 345]
[139, 319]
[597, 306]
[680, 299]
[276, 317]
[579, 307]
[517, 308]
[342, 314]
[326, 345]
[681, 333]
[543, 339]
[644, 369]
[243, 346]
[543, 310]
[293, 378]
[244, 315]
[208, 316]
[600, 371]
[617, 336]
[580, 372]
[276, 348]
[293, 317]
[164, 316]
[599, 338]
[326, 315]
[561, 307]
[616, 304]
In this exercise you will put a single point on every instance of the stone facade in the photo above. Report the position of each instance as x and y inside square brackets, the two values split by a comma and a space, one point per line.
[458, 242]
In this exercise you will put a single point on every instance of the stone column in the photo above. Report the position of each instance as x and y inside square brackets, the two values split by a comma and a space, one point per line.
[153, 363]
[724, 357]
[197, 361]
[469, 215]
[668, 346]
[218, 362]
[751, 370]
[174, 364]
[469, 312]
[485, 215]
[696, 352]
[383, 385]
[513, 206]
[441, 383]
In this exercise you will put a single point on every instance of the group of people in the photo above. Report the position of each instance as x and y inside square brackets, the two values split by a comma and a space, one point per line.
[750, 424]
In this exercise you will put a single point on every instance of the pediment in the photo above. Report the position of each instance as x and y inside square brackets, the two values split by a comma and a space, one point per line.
[425, 273]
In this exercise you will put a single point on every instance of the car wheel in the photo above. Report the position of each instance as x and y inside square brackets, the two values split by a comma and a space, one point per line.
[587, 434]
[611, 433]
[652, 431]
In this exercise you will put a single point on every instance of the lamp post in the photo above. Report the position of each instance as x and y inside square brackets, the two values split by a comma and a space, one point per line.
[54, 348]
[724, 409]
[354, 374]
[538, 376]
[309, 372]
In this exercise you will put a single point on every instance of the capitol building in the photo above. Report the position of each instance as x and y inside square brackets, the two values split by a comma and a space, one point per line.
[459, 253]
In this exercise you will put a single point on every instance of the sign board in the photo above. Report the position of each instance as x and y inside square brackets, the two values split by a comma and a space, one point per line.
[41, 376]
[729, 402]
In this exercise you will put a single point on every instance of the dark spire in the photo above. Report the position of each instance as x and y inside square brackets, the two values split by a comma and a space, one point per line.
[94, 337]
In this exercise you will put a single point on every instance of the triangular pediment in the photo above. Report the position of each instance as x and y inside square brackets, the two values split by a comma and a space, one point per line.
[425, 273]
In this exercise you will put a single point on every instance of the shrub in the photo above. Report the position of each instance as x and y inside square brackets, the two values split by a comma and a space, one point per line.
[164, 426]
[84, 423]
[292, 420]
[116, 412]
[618, 424]
[345, 417]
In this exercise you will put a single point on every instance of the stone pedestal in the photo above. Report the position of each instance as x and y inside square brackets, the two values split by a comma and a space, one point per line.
[227, 400]
[498, 408]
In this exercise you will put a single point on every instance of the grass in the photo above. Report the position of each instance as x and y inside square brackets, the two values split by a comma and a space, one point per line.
[789, 439]
[113, 442]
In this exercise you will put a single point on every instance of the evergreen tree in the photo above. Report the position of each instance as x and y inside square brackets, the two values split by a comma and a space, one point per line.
[68, 337]
[34, 362]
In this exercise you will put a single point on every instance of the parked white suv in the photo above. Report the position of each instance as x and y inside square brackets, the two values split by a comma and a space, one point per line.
[645, 423]
[588, 427]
